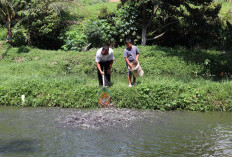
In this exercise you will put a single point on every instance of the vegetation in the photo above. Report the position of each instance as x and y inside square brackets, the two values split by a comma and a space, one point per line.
[183, 76]
[174, 79]
[3, 32]
[187, 23]
[191, 24]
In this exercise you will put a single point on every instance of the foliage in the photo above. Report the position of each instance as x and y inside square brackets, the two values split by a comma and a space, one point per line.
[3, 33]
[9, 14]
[74, 39]
[112, 28]
[127, 24]
[40, 24]
[99, 32]
[169, 23]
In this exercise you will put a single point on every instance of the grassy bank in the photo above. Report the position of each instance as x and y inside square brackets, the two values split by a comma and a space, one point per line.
[174, 79]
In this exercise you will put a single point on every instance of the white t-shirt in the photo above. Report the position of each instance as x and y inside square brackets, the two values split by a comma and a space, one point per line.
[104, 58]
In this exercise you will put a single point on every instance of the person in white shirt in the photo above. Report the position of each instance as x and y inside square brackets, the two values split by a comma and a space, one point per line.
[104, 62]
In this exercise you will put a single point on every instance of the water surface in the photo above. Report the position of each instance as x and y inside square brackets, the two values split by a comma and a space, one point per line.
[42, 132]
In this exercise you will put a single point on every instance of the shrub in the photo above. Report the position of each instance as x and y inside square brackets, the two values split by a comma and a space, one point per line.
[99, 32]
[74, 39]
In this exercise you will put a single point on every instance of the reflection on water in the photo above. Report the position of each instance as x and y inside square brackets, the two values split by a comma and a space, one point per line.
[33, 132]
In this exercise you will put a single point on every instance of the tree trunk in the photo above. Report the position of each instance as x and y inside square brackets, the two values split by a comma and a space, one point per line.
[9, 33]
[144, 29]
[144, 36]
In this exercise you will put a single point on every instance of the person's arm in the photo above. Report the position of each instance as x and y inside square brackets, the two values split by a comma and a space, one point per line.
[99, 68]
[98, 59]
[126, 59]
[111, 60]
[137, 54]
[128, 62]
[137, 57]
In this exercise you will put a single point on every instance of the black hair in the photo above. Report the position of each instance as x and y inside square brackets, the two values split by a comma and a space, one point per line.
[128, 41]
[106, 48]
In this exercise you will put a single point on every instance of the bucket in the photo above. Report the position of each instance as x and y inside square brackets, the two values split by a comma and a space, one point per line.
[136, 69]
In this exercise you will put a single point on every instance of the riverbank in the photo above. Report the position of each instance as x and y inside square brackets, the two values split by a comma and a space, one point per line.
[175, 79]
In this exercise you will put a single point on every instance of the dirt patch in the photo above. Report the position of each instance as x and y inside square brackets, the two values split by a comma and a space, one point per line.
[19, 59]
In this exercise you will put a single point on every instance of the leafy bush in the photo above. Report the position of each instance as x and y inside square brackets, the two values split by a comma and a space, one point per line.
[74, 39]
[126, 23]
[39, 24]
[100, 32]
[113, 28]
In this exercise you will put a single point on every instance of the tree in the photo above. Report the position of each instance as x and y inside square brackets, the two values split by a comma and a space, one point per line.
[167, 15]
[39, 19]
[9, 12]
[33, 22]
[41, 23]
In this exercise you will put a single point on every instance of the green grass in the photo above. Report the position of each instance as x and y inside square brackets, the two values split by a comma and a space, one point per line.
[90, 2]
[69, 79]
[92, 11]
[226, 6]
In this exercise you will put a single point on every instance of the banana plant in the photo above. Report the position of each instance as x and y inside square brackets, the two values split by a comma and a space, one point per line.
[9, 12]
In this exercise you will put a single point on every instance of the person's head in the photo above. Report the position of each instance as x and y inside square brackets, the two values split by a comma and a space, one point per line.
[128, 43]
[105, 50]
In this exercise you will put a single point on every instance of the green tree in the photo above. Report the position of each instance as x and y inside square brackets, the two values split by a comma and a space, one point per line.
[41, 23]
[157, 18]
[9, 13]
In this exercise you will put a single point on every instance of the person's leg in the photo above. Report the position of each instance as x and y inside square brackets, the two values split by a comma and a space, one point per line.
[134, 80]
[107, 76]
[128, 76]
[99, 75]
[129, 80]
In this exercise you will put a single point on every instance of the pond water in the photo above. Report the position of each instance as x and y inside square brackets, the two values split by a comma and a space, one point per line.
[44, 132]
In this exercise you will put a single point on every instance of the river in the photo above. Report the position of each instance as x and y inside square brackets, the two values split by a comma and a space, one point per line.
[43, 132]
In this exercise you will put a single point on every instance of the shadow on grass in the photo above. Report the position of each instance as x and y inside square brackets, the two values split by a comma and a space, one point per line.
[5, 53]
[23, 49]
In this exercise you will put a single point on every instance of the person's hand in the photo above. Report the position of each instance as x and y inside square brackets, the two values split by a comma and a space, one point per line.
[108, 71]
[102, 73]
[130, 65]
